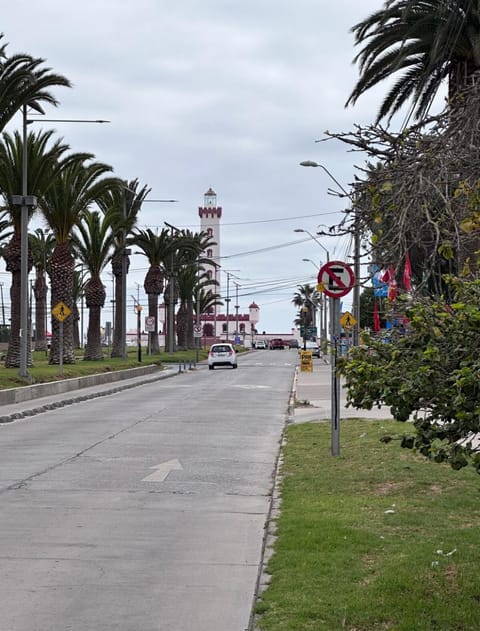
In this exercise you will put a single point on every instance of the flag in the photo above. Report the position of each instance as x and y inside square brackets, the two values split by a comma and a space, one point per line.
[407, 273]
[376, 318]
[392, 290]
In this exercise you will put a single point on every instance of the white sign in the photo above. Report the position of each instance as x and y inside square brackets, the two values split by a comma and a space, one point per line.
[149, 323]
[197, 330]
[337, 279]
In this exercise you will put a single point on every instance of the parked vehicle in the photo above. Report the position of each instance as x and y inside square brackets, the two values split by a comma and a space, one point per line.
[222, 355]
[276, 343]
[310, 345]
[293, 344]
[260, 344]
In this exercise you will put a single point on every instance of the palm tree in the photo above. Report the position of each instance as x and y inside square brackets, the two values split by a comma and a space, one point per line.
[43, 157]
[41, 247]
[306, 307]
[427, 40]
[125, 201]
[24, 81]
[93, 240]
[78, 184]
[155, 248]
[188, 263]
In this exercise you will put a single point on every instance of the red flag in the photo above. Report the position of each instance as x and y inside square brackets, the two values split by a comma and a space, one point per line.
[376, 318]
[392, 290]
[407, 273]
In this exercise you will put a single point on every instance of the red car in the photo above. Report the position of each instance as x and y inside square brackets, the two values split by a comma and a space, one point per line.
[276, 343]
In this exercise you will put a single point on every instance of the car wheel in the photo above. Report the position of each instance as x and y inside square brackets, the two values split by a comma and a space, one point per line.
[234, 365]
[211, 367]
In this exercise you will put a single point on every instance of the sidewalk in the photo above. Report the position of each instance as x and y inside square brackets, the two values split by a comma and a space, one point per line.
[312, 397]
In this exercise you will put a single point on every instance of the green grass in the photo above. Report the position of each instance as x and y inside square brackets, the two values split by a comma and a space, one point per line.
[42, 372]
[342, 561]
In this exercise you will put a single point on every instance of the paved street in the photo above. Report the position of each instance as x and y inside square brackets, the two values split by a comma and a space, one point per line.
[145, 508]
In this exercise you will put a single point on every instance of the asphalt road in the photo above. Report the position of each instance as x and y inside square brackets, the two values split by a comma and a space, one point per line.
[143, 510]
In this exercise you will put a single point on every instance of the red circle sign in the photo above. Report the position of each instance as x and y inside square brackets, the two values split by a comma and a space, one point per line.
[337, 278]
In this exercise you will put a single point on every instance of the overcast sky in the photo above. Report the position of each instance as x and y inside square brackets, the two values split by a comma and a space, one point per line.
[213, 93]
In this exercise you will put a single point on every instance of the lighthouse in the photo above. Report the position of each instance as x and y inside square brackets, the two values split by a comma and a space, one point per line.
[210, 215]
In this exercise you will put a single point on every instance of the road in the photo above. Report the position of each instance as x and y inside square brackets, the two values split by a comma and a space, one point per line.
[143, 510]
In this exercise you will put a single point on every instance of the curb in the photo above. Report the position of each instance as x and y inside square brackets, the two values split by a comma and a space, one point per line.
[123, 375]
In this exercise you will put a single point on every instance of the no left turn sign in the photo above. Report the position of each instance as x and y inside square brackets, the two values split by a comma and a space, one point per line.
[337, 279]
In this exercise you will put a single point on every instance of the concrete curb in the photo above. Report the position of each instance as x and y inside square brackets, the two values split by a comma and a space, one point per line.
[133, 375]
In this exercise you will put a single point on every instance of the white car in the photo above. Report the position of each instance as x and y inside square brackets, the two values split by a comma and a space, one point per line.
[222, 354]
[313, 347]
[261, 344]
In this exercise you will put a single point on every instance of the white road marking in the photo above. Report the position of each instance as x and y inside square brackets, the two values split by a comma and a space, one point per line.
[162, 471]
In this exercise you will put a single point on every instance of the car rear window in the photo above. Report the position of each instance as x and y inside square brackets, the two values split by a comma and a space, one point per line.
[221, 349]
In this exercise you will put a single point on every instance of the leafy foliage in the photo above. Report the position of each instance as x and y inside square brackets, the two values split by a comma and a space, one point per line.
[431, 375]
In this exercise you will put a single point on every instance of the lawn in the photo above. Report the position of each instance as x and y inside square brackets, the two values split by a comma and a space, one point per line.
[376, 539]
[42, 372]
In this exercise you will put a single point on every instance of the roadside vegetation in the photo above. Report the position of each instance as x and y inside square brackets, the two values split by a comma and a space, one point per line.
[377, 539]
[42, 371]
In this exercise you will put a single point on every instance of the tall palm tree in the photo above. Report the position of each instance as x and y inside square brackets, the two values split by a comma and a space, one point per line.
[41, 246]
[24, 80]
[93, 240]
[124, 200]
[155, 248]
[43, 156]
[428, 41]
[79, 183]
[306, 307]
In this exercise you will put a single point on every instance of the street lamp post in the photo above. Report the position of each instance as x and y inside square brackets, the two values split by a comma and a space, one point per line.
[356, 248]
[315, 239]
[28, 202]
[323, 307]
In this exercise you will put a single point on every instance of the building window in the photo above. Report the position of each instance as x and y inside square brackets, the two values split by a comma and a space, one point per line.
[242, 327]
[209, 253]
[224, 328]
[210, 232]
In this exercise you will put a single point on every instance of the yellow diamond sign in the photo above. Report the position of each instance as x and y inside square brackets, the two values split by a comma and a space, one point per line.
[347, 320]
[61, 311]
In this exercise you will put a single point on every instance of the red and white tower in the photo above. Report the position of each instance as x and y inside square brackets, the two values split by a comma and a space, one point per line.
[210, 215]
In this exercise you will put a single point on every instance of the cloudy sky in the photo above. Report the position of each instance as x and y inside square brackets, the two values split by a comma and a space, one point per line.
[213, 93]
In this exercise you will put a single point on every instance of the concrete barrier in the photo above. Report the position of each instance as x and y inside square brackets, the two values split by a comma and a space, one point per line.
[37, 390]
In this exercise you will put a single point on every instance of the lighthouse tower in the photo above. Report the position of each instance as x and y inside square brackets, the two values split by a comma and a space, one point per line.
[210, 215]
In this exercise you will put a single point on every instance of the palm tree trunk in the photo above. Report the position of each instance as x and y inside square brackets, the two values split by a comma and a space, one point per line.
[13, 264]
[118, 344]
[153, 344]
[182, 326]
[95, 299]
[61, 281]
[40, 293]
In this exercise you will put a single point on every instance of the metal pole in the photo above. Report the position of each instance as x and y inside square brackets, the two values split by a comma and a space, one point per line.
[335, 389]
[81, 307]
[123, 323]
[356, 286]
[228, 302]
[23, 372]
[139, 332]
[3, 304]
[60, 344]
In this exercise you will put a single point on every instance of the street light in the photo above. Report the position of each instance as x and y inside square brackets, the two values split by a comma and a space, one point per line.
[29, 202]
[356, 248]
[323, 307]
[315, 239]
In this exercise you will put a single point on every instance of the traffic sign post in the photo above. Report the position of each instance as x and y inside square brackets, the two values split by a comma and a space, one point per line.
[336, 279]
[61, 311]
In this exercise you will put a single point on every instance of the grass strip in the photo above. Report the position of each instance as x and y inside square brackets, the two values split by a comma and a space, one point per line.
[376, 539]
